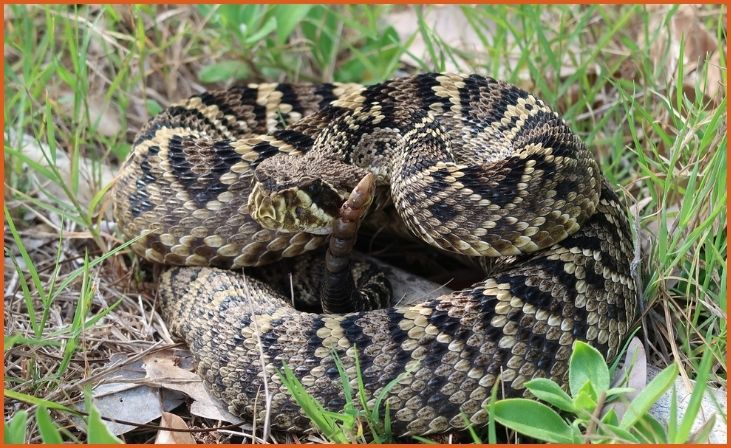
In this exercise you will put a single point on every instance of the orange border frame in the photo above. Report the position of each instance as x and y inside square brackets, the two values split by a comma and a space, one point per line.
[2, 118]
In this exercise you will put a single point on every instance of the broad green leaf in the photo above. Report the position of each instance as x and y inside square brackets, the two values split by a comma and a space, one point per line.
[223, 71]
[586, 398]
[551, 393]
[46, 426]
[15, 428]
[533, 419]
[615, 432]
[649, 395]
[650, 430]
[576, 430]
[587, 364]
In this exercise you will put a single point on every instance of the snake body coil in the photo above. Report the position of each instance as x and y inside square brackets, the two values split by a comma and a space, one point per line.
[474, 166]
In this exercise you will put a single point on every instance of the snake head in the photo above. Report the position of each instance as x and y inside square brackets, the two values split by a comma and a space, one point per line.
[301, 193]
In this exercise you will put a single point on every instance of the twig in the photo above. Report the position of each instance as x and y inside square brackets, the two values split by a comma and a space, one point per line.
[594, 419]
[262, 361]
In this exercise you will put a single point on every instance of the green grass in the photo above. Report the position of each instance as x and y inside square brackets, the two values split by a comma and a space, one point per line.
[81, 80]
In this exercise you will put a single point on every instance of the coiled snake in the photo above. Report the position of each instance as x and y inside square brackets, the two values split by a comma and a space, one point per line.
[471, 165]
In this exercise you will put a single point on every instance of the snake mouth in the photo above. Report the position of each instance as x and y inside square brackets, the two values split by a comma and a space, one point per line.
[294, 209]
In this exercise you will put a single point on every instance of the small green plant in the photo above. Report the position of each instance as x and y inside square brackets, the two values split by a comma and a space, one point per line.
[337, 427]
[588, 416]
[586, 413]
[346, 426]
[347, 44]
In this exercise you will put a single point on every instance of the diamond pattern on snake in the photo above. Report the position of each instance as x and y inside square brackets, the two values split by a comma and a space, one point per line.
[470, 165]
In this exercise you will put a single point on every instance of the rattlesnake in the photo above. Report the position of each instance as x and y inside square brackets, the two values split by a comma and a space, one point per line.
[471, 165]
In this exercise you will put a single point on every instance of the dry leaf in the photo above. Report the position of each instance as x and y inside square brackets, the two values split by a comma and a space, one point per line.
[213, 411]
[122, 397]
[162, 371]
[140, 392]
[140, 404]
[701, 50]
[634, 369]
[172, 421]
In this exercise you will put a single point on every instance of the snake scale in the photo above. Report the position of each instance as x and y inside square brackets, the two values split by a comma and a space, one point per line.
[252, 175]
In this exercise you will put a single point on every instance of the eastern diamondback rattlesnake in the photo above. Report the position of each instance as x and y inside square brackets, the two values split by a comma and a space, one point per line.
[472, 165]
